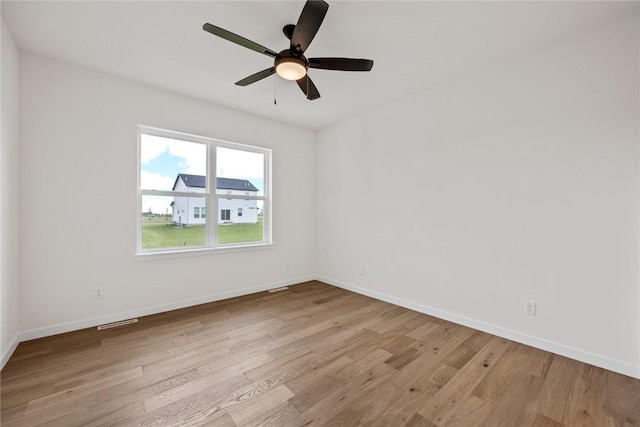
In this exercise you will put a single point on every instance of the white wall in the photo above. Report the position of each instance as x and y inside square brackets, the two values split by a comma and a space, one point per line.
[525, 176]
[9, 200]
[78, 138]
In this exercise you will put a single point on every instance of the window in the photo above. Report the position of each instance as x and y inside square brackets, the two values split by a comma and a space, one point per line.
[182, 176]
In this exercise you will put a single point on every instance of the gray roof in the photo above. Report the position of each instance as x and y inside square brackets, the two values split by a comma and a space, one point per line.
[221, 183]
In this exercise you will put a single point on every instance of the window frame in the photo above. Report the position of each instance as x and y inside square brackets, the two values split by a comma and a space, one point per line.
[211, 198]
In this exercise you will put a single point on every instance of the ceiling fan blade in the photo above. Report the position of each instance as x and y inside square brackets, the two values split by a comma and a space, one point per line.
[234, 38]
[308, 24]
[256, 77]
[342, 64]
[310, 90]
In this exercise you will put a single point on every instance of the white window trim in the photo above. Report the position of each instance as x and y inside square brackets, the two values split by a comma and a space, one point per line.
[199, 251]
[211, 199]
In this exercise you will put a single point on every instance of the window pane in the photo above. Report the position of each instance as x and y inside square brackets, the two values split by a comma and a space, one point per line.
[240, 173]
[176, 169]
[169, 222]
[163, 159]
[239, 221]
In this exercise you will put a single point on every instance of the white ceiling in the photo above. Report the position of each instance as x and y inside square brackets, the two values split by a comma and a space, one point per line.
[415, 45]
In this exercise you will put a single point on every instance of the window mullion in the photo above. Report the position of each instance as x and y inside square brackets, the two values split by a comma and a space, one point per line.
[212, 201]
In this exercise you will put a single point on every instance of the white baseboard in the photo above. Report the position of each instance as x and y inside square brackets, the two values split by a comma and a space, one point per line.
[563, 350]
[553, 347]
[7, 354]
[116, 317]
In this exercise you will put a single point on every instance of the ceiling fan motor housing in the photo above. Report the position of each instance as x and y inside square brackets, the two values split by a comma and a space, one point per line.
[288, 30]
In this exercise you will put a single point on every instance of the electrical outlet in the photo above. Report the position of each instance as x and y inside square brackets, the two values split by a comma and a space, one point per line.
[362, 271]
[530, 307]
[98, 293]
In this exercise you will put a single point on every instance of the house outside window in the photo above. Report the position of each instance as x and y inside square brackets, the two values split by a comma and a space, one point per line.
[182, 176]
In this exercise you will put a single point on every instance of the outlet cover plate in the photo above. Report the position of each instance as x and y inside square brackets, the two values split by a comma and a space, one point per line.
[530, 307]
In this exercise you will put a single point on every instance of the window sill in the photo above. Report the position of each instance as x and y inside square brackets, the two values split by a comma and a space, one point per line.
[183, 253]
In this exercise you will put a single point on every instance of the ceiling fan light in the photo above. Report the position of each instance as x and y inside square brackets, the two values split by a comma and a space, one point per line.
[291, 69]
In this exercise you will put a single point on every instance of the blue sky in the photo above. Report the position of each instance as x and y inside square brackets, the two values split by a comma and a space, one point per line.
[161, 159]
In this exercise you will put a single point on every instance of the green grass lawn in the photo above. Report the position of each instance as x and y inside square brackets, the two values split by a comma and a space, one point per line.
[159, 233]
[156, 219]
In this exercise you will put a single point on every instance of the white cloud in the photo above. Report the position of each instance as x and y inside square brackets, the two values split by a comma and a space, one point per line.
[151, 147]
[230, 163]
[194, 155]
[163, 158]
[239, 164]
[187, 157]
[154, 181]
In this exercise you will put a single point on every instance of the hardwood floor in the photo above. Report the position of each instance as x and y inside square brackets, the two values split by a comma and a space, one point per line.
[312, 355]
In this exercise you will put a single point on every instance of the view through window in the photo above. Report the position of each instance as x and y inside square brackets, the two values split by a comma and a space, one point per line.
[184, 179]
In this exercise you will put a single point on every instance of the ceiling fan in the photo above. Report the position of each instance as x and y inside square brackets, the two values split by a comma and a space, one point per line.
[291, 64]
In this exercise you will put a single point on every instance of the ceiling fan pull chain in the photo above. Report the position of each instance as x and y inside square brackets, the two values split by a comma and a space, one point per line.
[307, 87]
[275, 92]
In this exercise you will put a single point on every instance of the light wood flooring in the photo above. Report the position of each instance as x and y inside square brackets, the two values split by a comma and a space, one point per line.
[312, 355]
